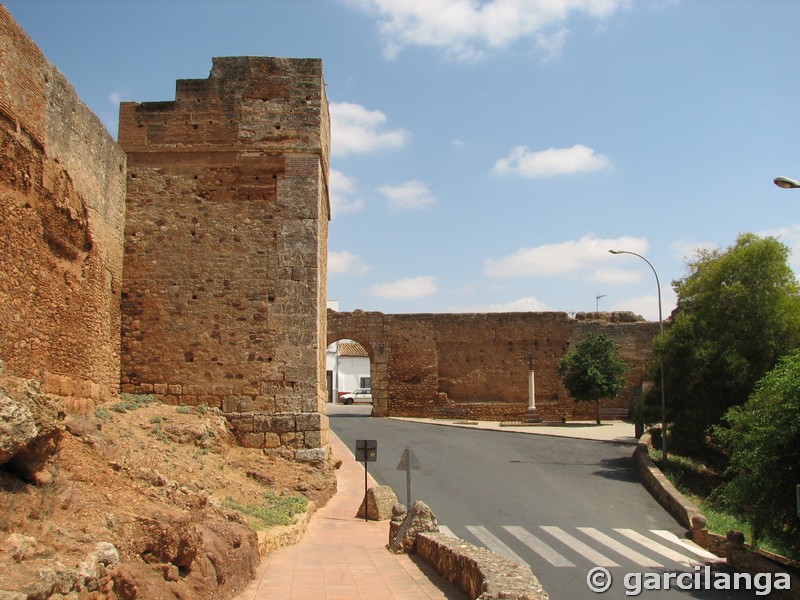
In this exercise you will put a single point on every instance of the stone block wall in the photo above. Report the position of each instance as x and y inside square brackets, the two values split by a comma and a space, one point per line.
[224, 291]
[62, 211]
[481, 362]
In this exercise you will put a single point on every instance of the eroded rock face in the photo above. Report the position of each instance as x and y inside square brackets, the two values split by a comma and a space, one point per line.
[187, 558]
[31, 427]
[17, 428]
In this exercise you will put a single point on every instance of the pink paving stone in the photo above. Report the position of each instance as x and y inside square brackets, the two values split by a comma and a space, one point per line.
[345, 558]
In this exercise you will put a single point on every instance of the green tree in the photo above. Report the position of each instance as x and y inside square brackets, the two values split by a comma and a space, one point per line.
[764, 437]
[594, 370]
[738, 312]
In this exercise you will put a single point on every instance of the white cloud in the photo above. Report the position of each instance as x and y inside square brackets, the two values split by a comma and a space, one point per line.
[465, 29]
[790, 236]
[526, 304]
[524, 162]
[647, 306]
[564, 257]
[346, 263]
[614, 276]
[686, 250]
[407, 196]
[357, 130]
[407, 289]
[552, 44]
[344, 193]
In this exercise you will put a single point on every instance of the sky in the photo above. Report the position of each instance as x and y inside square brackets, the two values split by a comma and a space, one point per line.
[486, 154]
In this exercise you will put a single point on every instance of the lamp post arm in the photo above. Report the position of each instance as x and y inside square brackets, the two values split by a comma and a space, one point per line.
[661, 332]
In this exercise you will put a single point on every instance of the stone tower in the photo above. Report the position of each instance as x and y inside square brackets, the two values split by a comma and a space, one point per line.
[224, 282]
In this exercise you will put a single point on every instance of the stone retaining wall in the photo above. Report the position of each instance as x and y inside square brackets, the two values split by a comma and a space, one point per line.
[480, 573]
[678, 505]
[738, 555]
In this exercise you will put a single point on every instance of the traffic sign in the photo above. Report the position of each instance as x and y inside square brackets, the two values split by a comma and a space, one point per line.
[408, 462]
[366, 450]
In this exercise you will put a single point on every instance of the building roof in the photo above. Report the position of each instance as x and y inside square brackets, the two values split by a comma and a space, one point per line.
[352, 349]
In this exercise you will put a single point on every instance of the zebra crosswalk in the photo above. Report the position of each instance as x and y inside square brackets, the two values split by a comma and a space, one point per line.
[582, 546]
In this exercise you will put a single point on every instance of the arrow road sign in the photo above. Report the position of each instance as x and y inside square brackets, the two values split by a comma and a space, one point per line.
[408, 462]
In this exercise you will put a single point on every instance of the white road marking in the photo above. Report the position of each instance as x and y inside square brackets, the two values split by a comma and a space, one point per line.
[656, 547]
[494, 543]
[599, 560]
[446, 530]
[690, 546]
[538, 546]
[620, 548]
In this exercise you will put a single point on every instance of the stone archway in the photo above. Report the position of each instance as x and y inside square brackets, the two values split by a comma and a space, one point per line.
[368, 330]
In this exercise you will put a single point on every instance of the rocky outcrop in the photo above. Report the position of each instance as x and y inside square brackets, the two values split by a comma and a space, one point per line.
[31, 427]
[92, 574]
[378, 503]
[404, 527]
[186, 558]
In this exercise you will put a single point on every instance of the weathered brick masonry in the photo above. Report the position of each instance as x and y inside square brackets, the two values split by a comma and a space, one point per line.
[226, 247]
[481, 362]
[62, 210]
[225, 253]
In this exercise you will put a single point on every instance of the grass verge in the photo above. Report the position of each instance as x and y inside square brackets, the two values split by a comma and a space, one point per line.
[696, 480]
[275, 510]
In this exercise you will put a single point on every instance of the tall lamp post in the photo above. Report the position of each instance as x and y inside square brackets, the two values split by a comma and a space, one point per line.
[661, 333]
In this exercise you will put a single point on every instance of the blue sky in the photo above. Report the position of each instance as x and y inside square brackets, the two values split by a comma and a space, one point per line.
[487, 154]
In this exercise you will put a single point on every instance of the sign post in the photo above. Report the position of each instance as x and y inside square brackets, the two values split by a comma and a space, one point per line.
[408, 462]
[366, 452]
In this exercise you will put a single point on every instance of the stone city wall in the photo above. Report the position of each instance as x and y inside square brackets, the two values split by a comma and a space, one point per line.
[226, 247]
[62, 211]
[423, 364]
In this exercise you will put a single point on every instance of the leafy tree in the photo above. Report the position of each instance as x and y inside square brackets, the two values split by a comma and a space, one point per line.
[594, 370]
[764, 437]
[738, 312]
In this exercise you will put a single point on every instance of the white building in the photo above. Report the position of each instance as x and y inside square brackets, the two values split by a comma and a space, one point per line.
[347, 366]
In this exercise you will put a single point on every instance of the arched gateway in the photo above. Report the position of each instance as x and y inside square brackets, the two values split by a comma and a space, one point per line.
[366, 329]
[478, 365]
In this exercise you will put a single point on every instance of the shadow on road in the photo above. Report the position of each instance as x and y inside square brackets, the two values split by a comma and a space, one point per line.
[336, 411]
[618, 469]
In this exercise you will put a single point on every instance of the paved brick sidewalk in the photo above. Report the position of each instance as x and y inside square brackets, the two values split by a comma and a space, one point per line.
[608, 431]
[345, 558]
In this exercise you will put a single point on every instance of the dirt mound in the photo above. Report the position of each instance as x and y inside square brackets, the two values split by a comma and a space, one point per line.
[147, 501]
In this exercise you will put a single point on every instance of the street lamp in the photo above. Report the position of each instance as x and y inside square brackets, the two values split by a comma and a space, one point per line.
[661, 333]
[786, 183]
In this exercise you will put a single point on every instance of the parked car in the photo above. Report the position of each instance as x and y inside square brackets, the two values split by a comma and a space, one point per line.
[361, 395]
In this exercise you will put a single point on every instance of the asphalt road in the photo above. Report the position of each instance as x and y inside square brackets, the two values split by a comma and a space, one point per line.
[563, 506]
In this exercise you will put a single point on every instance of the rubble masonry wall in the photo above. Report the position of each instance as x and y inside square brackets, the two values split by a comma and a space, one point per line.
[62, 211]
